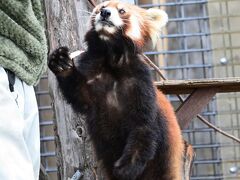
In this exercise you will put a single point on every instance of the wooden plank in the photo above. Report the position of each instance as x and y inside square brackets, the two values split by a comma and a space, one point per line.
[188, 86]
[193, 105]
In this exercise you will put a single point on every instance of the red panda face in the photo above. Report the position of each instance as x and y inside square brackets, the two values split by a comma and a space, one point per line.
[114, 18]
[109, 18]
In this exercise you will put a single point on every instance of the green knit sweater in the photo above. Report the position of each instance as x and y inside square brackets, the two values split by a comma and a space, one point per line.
[23, 46]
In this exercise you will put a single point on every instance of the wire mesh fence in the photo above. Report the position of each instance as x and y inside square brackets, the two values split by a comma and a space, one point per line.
[201, 40]
[199, 43]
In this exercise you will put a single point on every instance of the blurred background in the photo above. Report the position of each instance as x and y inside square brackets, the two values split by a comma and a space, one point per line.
[201, 40]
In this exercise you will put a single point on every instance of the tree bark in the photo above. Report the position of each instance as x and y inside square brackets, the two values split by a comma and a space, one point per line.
[73, 148]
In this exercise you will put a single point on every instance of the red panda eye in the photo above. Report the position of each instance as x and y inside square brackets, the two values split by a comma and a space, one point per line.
[121, 11]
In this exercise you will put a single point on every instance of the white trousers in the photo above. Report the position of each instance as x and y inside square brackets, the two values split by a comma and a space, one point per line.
[19, 131]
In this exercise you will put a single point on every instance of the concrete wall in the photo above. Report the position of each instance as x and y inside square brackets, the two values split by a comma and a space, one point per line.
[225, 40]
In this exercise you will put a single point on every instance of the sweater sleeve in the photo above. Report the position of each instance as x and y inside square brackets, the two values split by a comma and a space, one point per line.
[22, 31]
[37, 9]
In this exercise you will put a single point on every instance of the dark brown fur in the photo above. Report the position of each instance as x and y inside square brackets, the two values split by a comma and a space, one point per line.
[132, 126]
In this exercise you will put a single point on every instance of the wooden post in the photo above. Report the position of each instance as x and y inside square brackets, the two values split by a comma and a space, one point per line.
[73, 148]
[188, 159]
[193, 105]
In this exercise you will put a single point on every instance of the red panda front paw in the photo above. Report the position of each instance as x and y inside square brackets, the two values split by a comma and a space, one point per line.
[127, 169]
[60, 62]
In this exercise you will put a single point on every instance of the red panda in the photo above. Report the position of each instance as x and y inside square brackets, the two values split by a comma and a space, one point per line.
[132, 125]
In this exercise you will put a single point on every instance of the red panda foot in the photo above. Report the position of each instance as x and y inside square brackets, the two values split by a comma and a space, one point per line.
[60, 62]
[124, 169]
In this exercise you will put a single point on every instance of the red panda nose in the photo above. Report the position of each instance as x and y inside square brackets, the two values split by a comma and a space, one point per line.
[105, 13]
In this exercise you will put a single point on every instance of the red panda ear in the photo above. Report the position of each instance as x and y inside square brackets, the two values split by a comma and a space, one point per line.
[158, 19]
[158, 16]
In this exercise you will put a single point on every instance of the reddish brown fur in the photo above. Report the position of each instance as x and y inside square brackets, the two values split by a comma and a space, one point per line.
[176, 144]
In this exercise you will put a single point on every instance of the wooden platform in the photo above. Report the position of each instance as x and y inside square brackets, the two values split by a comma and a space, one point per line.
[200, 93]
[188, 86]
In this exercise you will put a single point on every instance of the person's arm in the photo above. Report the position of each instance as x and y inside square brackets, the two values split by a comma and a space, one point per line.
[24, 47]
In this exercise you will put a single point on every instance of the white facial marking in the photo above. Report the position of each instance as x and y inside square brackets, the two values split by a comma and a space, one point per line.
[114, 18]
[134, 31]
[109, 29]
[96, 22]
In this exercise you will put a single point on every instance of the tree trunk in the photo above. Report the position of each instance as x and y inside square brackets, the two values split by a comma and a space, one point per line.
[73, 148]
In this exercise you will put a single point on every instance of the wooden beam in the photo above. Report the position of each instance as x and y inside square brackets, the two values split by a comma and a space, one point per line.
[193, 105]
[188, 159]
[188, 86]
